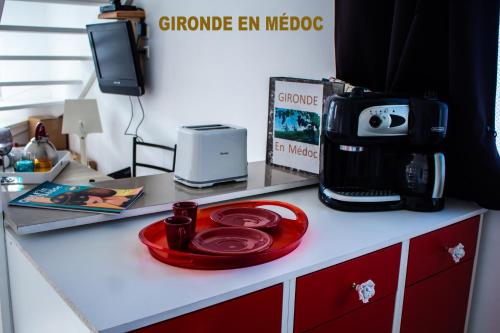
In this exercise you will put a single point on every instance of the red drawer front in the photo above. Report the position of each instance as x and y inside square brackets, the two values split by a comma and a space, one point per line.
[374, 318]
[428, 253]
[439, 303]
[327, 294]
[256, 312]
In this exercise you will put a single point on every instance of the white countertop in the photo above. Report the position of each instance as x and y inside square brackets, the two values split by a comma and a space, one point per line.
[109, 279]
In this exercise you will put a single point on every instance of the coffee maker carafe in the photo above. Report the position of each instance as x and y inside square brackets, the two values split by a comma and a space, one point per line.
[382, 153]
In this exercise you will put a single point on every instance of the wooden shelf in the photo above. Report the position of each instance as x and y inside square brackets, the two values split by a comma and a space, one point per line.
[123, 14]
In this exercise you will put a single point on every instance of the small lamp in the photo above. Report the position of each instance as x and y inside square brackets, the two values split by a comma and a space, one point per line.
[81, 117]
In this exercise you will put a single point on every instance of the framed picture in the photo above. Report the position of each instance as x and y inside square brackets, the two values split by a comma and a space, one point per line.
[294, 123]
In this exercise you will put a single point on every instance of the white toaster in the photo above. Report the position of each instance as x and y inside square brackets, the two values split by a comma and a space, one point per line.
[210, 154]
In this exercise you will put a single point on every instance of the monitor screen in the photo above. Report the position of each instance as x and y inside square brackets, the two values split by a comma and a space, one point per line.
[115, 58]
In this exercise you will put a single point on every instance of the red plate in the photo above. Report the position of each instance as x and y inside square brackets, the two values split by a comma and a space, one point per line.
[258, 218]
[286, 238]
[231, 241]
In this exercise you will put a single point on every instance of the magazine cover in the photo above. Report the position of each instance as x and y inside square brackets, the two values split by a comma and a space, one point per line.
[80, 198]
[294, 126]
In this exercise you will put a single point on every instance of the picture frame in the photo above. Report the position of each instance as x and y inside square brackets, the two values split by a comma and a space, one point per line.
[294, 121]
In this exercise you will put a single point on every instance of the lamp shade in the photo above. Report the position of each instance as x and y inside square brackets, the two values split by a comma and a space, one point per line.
[81, 117]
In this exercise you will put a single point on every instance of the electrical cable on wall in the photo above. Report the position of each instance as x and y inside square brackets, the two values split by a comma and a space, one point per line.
[131, 117]
[135, 133]
[142, 119]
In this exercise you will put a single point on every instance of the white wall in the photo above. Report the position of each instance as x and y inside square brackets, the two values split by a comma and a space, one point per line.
[486, 300]
[211, 77]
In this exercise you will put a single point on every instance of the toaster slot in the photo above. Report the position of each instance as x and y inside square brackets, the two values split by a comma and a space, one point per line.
[205, 126]
[212, 128]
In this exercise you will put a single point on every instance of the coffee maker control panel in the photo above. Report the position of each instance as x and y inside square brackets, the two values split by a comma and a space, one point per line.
[384, 120]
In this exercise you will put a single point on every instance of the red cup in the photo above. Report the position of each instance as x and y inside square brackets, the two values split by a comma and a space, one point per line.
[186, 208]
[179, 231]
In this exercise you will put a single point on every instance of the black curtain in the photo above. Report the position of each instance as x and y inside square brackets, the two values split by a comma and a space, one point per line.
[446, 48]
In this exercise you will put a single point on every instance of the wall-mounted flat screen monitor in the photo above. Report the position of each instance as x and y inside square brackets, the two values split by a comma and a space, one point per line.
[116, 58]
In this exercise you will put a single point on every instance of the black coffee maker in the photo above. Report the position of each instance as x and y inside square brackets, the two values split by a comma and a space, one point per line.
[382, 153]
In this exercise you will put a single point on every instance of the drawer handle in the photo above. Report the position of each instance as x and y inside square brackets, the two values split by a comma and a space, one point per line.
[366, 290]
[457, 252]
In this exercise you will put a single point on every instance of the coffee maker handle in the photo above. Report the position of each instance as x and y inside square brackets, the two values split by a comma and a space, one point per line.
[439, 176]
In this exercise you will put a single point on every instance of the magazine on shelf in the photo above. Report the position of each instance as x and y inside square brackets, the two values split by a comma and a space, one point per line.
[78, 198]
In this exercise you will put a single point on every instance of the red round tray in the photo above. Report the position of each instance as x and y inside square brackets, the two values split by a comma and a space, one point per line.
[286, 238]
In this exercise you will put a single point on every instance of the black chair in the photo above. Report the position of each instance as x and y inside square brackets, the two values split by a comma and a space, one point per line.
[136, 164]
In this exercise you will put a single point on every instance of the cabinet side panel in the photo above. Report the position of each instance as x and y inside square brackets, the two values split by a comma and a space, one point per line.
[36, 306]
